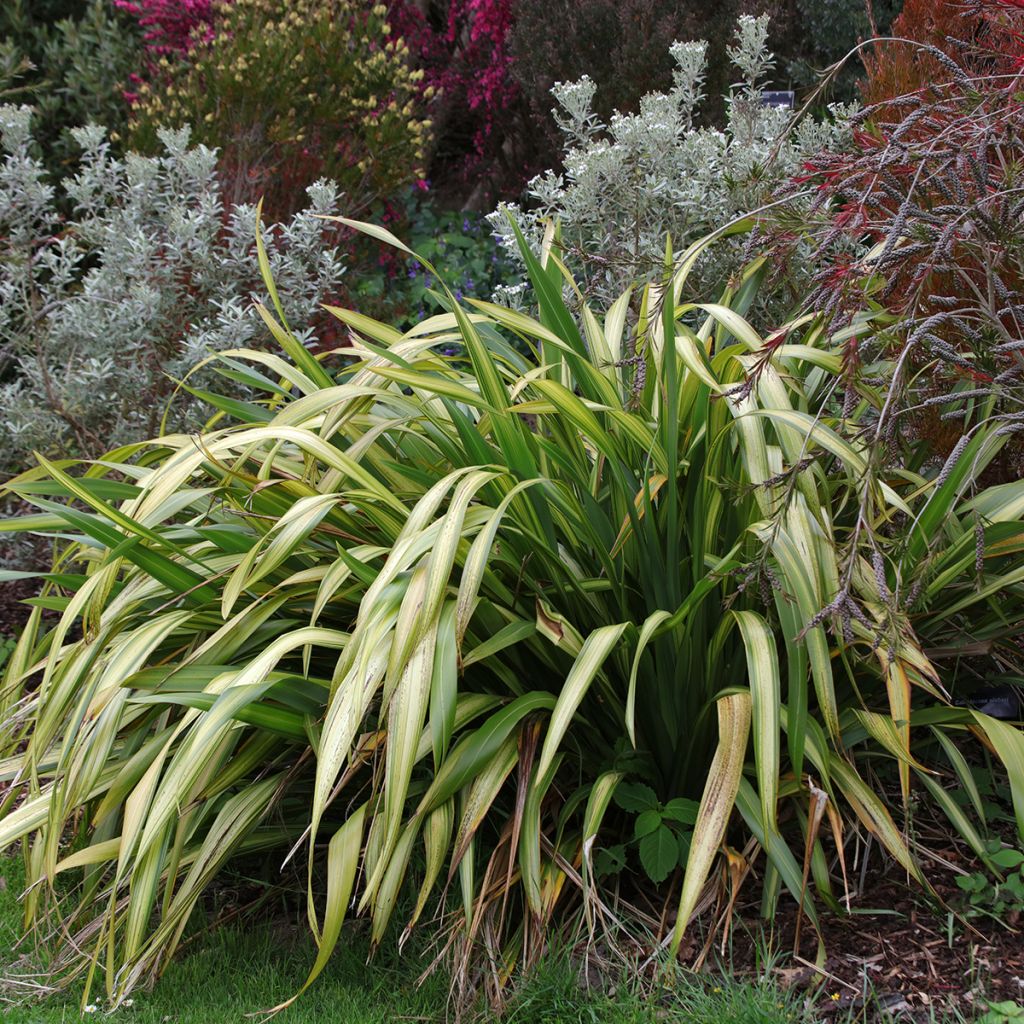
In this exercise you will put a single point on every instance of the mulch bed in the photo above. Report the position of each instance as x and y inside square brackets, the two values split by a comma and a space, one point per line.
[12, 612]
[909, 956]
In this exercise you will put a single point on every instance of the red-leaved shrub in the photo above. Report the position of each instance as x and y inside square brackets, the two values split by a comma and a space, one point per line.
[923, 215]
[484, 132]
[169, 26]
[930, 33]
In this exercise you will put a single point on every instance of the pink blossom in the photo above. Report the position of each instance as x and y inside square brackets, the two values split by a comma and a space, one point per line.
[169, 25]
[470, 58]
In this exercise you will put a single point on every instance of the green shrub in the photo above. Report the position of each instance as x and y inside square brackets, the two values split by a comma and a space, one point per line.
[438, 610]
[291, 92]
[459, 244]
[1000, 898]
[75, 61]
[1007, 1012]
[825, 31]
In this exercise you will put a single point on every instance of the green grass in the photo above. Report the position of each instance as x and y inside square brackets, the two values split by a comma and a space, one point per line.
[554, 996]
[241, 971]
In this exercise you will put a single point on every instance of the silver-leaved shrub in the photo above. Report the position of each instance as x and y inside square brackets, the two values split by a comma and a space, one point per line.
[116, 281]
[628, 184]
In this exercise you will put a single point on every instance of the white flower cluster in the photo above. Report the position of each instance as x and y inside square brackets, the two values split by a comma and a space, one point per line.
[751, 54]
[119, 281]
[512, 296]
[628, 184]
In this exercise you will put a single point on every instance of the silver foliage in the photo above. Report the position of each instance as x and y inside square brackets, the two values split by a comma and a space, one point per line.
[628, 184]
[120, 278]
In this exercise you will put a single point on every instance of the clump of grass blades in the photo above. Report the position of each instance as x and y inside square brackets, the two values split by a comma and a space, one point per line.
[423, 615]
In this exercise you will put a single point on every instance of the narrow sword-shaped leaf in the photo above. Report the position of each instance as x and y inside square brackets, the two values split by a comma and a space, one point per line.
[766, 698]
[716, 804]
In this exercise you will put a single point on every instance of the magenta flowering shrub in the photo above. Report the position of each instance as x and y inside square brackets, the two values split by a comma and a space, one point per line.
[464, 49]
[169, 26]
[481, 30]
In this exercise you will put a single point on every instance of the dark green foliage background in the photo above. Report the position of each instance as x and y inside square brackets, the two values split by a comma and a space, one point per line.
[79, 56]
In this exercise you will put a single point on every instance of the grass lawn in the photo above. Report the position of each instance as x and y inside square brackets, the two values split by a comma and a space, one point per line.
[240, 971]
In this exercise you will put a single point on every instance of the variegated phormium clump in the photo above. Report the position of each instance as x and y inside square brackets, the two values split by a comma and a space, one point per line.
[101, 311]
[454, 621]
[629, 183]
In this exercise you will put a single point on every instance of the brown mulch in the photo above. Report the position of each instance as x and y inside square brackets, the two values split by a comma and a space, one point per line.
[12, 612]
[21, 552]
[897, 956]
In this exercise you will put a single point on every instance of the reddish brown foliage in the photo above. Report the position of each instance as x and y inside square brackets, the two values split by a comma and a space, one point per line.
[923, 215]
[973, 34]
